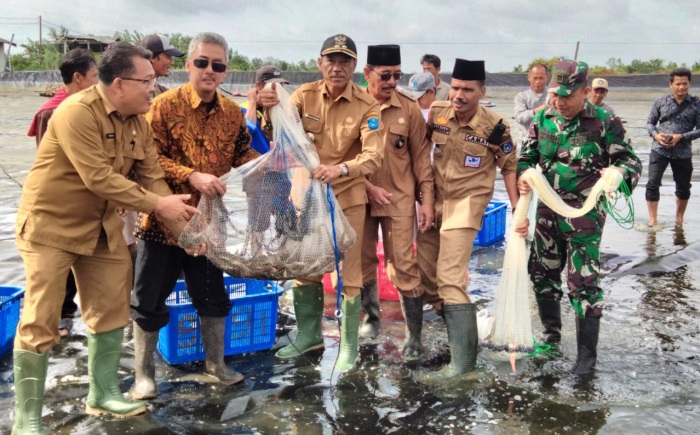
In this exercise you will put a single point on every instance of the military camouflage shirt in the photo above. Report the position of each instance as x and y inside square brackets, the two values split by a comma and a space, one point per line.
[572, 153]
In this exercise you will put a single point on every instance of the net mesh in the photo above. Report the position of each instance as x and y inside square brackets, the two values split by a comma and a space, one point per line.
[507, 334]
[275, 221]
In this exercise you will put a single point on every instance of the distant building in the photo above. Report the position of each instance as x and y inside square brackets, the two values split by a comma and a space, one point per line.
[4, 57]
[96, 44]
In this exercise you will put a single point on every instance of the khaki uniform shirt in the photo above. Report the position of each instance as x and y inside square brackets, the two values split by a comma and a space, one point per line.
[79, 175]
[465, 163]
[406, 163]
[346, 130]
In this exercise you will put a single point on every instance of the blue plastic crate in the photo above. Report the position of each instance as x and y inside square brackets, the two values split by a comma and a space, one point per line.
[250, 326]
[493, 226]
[9, 316]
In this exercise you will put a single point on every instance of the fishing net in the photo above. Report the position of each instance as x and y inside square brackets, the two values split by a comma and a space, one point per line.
[274, 222]
[506, 331]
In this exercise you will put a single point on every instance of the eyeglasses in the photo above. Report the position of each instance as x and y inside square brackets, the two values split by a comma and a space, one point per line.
[215, 66]
[148, 82]
[385, 76]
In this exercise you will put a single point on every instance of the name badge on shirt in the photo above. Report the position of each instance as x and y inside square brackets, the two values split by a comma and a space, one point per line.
[472, 162]
[110, 136]
[441, 129]
[476, 139]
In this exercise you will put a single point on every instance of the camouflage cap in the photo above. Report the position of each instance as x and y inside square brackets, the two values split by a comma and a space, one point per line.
[567, 76]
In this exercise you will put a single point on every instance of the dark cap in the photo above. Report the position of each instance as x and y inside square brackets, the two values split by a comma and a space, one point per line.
[339, 44]
[384, 55]
[268, 74]
[567, 76]
[160, 44]
[469, 70]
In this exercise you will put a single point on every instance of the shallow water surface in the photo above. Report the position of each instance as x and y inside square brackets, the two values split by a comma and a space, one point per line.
[648, 351]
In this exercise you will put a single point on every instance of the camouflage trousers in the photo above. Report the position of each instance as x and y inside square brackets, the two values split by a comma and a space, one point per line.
[573, 243]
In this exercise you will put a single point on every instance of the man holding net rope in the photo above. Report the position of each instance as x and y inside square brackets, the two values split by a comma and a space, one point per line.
[574, 142]
[342, 121]
[392, 195]
[200, 135]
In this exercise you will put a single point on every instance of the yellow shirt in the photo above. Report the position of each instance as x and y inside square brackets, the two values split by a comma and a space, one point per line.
[345, 130]
[79, 175]
[465, 163]
[406, 163]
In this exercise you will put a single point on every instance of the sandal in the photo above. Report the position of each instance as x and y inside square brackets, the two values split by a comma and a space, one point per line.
[65, 327]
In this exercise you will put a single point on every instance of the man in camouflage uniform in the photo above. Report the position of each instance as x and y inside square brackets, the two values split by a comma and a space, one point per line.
[574, 142]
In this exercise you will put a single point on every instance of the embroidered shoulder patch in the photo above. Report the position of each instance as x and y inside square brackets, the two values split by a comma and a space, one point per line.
[507, 147]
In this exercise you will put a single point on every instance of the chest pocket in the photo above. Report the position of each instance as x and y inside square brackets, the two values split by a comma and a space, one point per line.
[440, 144]
[311, 125]
[472, 147]
[397, 139]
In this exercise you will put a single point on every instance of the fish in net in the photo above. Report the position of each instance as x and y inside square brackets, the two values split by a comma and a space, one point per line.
[275, 221]
[505, 331]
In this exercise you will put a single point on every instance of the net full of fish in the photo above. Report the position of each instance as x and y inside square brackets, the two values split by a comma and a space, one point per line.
[275, 221]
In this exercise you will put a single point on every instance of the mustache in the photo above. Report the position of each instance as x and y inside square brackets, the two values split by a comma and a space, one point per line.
[460, 101]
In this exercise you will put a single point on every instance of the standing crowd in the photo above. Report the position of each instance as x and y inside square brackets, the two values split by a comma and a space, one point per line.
[418, 163]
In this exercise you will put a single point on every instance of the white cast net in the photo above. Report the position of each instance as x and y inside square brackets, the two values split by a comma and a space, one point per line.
[274, 222]
[507, 330]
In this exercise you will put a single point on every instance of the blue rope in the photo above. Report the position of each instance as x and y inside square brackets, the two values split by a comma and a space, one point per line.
[329, 198]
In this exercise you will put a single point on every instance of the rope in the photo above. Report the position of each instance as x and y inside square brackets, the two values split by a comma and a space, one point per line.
[331, 206]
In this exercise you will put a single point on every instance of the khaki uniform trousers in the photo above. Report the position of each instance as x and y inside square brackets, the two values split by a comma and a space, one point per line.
[443, 261]
[399, 258]
[351, 266]
[104, 286]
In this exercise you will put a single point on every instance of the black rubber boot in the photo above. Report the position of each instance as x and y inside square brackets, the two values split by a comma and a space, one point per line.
[213, 336]
[464, 342]
[587, 331]
[550, 315]
[413, 314]
[370, 305]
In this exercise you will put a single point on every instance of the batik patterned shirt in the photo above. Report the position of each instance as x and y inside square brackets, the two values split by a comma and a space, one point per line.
[193, 136]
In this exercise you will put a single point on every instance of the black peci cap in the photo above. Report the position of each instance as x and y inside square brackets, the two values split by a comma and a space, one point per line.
[469, 70]
[384, 55]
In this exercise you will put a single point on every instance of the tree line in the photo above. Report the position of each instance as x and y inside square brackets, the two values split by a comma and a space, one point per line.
[47, 56]
[615, 66]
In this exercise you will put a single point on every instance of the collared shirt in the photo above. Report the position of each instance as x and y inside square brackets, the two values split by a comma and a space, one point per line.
[465, 163]
[78, 179]
[406, 163]
[524, 103]
[442, 91]
[687, 123]
[191, 137]
[346, 130]
[572, 153]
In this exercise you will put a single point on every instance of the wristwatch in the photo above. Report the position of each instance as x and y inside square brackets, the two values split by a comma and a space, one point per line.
[344, 171]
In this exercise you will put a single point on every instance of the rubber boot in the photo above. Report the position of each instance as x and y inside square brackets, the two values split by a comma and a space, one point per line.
[30, 379]
[145, 370]
[550, 316]
[349, 334]
[308, 307]
[412, 309]
[463, 337]
[587, 331]
[370, 305]
[212, 330]
[104, 396]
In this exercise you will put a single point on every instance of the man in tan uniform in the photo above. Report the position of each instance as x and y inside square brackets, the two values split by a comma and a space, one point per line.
[470, 142]
[67, 219]
[344, 123]
[392, 195]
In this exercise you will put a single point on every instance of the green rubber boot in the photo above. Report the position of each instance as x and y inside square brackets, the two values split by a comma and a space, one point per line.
[308, 307]
[30, 379]
[104, 396]
[464, 343]
[349, 337]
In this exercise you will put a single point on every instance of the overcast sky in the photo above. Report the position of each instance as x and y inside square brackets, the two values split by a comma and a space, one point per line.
[504, 33]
